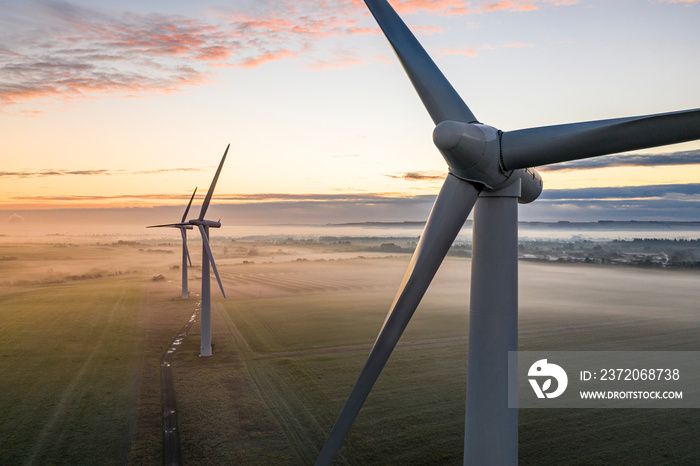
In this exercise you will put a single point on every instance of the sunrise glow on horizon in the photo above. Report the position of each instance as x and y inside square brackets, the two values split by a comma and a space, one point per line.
[126, 104]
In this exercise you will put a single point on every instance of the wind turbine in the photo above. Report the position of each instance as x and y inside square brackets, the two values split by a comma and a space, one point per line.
[492, 169]
[203, 226]
[183, 227]
[207, 257]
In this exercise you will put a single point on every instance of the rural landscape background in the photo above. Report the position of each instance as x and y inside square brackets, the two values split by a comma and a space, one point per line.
[87, 318]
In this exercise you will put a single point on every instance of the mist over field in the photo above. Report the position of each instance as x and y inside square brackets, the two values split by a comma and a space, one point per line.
[88, 313]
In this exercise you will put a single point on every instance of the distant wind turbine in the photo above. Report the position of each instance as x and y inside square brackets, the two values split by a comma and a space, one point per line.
[489, 168]
[183, 227]
[207, 257]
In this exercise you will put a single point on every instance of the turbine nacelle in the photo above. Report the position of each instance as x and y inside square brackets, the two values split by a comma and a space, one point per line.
[206, 223]
[473, 153]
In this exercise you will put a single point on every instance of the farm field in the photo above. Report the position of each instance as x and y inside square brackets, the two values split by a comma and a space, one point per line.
[84, 327]
[70, 359]
[415, 413]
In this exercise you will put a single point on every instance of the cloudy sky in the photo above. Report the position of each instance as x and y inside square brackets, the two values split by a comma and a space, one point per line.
[131, 103]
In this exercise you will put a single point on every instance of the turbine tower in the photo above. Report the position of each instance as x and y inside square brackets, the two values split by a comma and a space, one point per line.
[203, 226]
[183, 227]
[492, 169]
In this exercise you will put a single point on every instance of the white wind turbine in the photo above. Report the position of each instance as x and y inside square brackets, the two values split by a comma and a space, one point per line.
[207, 257]
[491, 169]
[183, 227]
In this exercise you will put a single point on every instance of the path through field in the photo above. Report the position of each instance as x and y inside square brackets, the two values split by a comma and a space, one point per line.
[172, 455]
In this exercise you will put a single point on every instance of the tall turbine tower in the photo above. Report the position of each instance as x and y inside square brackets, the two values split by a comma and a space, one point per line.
[183, 227]
[489, 168]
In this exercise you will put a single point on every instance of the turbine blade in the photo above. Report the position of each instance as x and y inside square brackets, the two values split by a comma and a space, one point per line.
[184, 244]
[207, 199]
[561, 143]
[172, 225]
[447, 217]
[439, 97]
[205, 240]
[184, 216]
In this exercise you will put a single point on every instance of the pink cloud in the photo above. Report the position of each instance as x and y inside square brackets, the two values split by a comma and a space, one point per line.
[384, 60]
[473, 53]
[462, 7]
[510, 5]
[267, 57]
[432, 6]
[449, 51]
[339, 58]
[61, 81]
[426, 30]
[57, 51]
[62, 52]
[338, 64]
[517, 45]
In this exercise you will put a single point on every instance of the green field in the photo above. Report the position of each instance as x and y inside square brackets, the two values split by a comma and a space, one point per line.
[82, 330]
[79, 360]
[70, 364]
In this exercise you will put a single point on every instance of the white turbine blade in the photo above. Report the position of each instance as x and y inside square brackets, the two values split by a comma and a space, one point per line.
[211, 257]
[439, 97]
[184, 244]
[207, 199]
[561, 143]
[447, 217]
[184, 216]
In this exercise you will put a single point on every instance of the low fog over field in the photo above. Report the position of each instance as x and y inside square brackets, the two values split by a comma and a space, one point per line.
[87, 317]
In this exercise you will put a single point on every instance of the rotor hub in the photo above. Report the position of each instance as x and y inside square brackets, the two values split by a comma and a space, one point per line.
[472, 152]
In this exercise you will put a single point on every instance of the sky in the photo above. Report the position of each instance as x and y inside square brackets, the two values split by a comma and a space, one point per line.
[130, 104]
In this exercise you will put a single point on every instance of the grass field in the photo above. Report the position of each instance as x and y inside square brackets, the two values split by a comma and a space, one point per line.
[79, 359]
[82, 330]
[69, 358]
